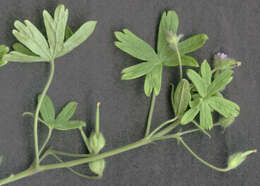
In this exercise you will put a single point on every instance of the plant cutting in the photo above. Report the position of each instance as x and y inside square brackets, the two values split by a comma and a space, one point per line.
[194, 100]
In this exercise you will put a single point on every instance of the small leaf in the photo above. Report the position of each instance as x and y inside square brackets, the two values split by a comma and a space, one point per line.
[223, 106]
[137, 71]
[3, 51]
[78, 37]
[193, 43]
[18, 47]
[67, 112]
[190, 115]
[220, 82]
[205, 116]
[181, 97]
[205, 72]
[47, 109]
[197, 81]
[186, 61]
[136, 47]
[148, 84]
[68, 125]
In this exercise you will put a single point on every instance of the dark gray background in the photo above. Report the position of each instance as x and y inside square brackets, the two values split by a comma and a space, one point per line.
[91, 73]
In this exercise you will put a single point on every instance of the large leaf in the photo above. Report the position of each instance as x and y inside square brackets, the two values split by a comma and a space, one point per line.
[198, 82]
[133, 45]
[32, 38]
[47, 109]
[220, 82]
[181, 97]
[138, 70]
[190, 115]
[193, 43]
[169, 22]
[67, 112]
[205, 116]
[68, 125]
[78, 37]
[186, 61]
[223, 106]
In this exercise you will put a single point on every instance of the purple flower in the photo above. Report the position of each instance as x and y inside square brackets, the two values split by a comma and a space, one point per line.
[221, 55]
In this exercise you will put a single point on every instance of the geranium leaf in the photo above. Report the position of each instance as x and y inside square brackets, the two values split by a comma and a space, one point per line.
[67, 112]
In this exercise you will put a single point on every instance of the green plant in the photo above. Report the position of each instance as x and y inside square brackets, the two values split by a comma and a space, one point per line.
[202, 94]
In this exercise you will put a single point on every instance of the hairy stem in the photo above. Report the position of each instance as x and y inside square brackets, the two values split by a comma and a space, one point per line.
[35, 132]
[150, 115]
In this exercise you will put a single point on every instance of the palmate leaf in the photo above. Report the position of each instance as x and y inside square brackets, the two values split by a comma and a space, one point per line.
[206, 73]
[33, 46]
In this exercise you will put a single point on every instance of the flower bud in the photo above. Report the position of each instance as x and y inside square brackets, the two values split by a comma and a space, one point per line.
[222, 62]
[236, 159]
[226, 122]
[172, 38]
[97, 166]
[96, 142]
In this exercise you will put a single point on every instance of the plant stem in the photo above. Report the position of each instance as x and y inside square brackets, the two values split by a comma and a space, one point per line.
[167, 129]
[179, 58]
[46, 141]
[201, 160]
[69, 154]
[150, 115]
[85, 139]
[72, 163]
[161, 126]
[36, 145]
[76, 172]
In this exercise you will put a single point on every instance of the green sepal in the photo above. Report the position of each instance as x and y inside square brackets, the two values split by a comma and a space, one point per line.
[97, 166]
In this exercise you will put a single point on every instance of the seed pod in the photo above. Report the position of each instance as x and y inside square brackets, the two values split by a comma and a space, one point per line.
[96, 142]
[236, 159]
[97, 167]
